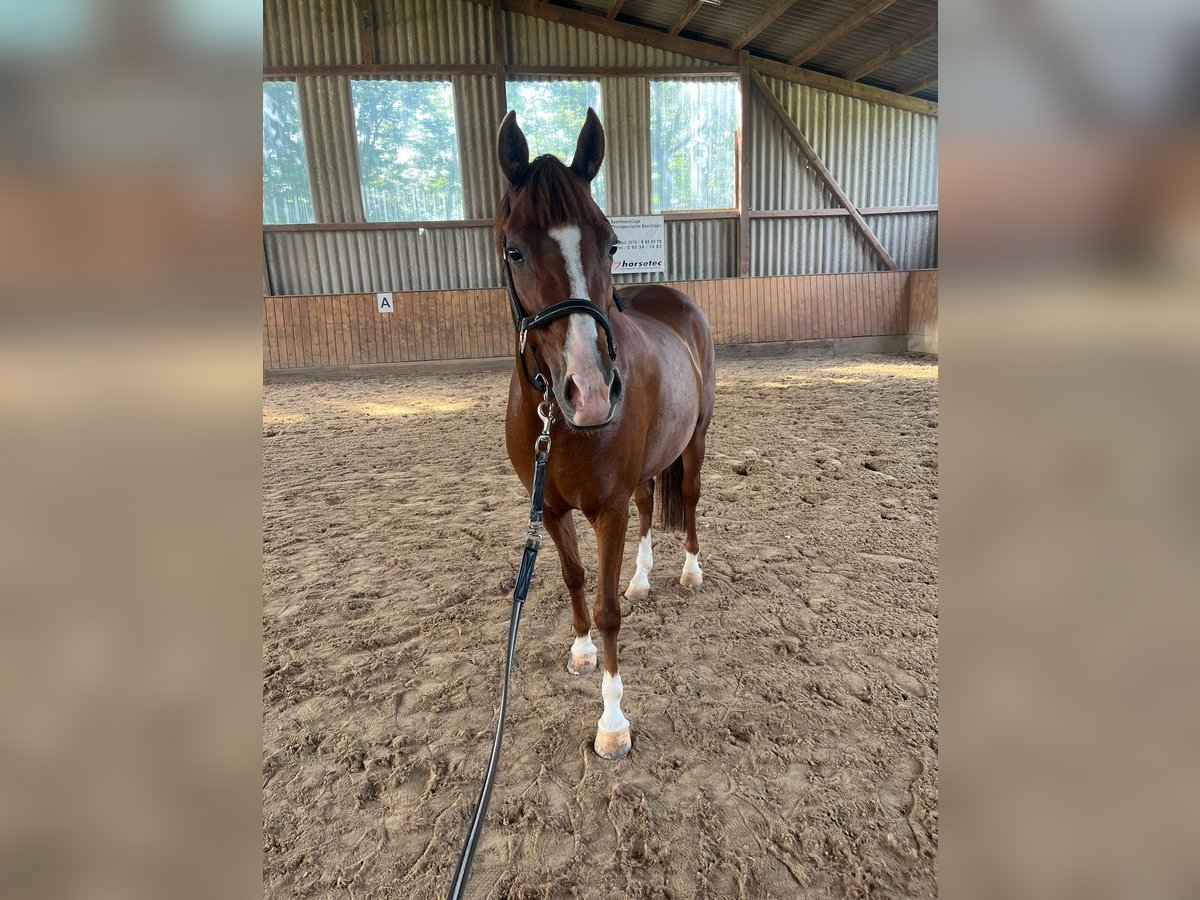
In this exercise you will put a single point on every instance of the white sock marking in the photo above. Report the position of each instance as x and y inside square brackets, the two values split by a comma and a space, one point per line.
[583, 645]
[612, 690]
[581, 329]
[691, 564]
[645, 562]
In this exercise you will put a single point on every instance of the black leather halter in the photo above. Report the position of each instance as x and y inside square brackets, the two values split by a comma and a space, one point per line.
[525, 323]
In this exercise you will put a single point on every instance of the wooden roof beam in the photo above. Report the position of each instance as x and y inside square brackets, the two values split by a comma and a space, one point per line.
[614, 8]
[920, 84]
[851, 23]
[894, 52]
[686, 16]
[769, 15]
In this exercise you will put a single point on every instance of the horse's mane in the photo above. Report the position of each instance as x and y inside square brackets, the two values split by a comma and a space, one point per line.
[554, 194]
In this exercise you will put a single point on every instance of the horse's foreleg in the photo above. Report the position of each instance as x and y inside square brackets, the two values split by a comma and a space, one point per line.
[612, 730]
[561, 528]
[639, 586]
[693, 459]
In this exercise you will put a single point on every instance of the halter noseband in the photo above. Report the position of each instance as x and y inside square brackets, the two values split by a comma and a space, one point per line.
[525, 323]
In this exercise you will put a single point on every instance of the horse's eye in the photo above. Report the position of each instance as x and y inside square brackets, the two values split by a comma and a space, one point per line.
[515, 255]
[612, 249]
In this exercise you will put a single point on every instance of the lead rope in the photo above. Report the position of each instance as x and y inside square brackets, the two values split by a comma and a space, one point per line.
[533, 540]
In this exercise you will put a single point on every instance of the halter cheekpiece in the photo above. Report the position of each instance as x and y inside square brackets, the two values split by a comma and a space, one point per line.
[525, 323]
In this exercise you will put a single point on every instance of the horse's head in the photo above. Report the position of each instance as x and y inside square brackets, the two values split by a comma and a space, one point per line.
[559, 245]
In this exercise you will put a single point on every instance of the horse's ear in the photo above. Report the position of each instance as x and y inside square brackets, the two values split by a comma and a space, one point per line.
[589, 151]
[512, 150]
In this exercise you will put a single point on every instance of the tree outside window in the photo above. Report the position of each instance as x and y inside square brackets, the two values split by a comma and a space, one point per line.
[287, 194]
[407, 151]
[551, 114]
[692, 144]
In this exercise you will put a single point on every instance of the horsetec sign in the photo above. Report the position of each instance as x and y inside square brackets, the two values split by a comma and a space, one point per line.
[641, 247]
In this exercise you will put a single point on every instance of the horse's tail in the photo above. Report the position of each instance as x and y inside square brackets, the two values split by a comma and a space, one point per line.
[670, 497]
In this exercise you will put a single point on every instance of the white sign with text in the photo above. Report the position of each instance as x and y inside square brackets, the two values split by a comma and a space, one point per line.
[642, 245]
[383, 302]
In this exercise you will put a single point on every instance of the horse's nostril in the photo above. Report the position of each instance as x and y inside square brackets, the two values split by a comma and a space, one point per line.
[574, 394]
[614, 390]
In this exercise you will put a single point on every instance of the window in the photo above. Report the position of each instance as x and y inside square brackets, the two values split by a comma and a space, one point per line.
[692, 126]
[407, 150]
[551, 114]
[287, 195]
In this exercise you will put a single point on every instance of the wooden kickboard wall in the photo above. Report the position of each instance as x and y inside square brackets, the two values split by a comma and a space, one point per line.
[346, 330]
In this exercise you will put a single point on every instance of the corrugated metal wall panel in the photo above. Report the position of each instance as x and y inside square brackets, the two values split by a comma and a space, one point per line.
[626, 103]
[478, 121]
[347, 262]
[328, 115]
[780, 177]
[310, 33]
[808, 247]
[699, 249]
[430, 32]
[536, 42]
[881, 156]
[911, 238]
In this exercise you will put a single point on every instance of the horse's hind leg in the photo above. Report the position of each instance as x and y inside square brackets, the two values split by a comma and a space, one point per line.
[639, 585]
[612, 730]
[561, 528]
[693, 459]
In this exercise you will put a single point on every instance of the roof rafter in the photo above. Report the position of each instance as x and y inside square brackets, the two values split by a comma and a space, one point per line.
[769, 15]
[614, 8]
[920, 84]
[686, 16]
[894, 52]
[852, 22]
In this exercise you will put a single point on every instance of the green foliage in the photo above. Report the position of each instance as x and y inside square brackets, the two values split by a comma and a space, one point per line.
[287, 194]
[692, 127]
[407, 150]
[551, 114]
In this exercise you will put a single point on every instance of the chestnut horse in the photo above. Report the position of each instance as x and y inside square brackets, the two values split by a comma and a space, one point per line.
[631, 375]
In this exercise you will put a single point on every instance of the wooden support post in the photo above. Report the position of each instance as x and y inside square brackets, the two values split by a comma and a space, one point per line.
[499, 61]
[819, 167]
[743, 179]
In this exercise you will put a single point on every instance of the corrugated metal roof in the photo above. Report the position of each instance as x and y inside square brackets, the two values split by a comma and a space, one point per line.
[799, 27]
[895, 23]
[908, 69]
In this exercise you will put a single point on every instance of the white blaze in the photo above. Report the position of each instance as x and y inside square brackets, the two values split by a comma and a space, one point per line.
[581, 329]
[611, 690]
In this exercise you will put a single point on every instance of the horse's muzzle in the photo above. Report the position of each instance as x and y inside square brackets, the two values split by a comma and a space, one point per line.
[589, 402]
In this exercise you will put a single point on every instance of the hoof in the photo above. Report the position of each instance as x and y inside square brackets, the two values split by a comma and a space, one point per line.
[691, 579]
[582, 664]
[612, 744]
[637, 592]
